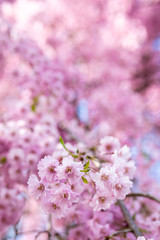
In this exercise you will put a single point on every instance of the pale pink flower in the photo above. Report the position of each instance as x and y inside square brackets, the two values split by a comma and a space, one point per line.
[52, 204]
[129, 169]
[77, 188]
[47, 168]
[31, 159]
[122, 187]
[108, 144]
[124, 152]
[64, 195]
[69, 170]
[17, 172]
[104, 178]
[16, 155]
[60, 152]
[35, 187]
[123, 166]
[101, 201]
[53, 207]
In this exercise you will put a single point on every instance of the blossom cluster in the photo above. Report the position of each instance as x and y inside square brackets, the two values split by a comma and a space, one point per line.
[52, 83]
[65, 178]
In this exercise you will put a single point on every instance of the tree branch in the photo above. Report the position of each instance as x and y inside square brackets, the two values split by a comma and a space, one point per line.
[41, 232]
[129, 219]
[125, 230]
[146, 195]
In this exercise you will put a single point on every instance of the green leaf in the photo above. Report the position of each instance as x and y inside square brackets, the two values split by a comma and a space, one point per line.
[73, 155]
[3, 160]
[34, 104]
[62, 142]
[33, 107]
[86, 170]
[86, 165]
[84, 180]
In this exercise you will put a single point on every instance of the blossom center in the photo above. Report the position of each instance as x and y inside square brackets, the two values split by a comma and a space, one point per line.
[108, 147]
[104, 177]
[68, 170]
[102, 199]
[41, 187]
[118, 187]
[65, 195]
[51, 169]
[54, 206]
[16, 158]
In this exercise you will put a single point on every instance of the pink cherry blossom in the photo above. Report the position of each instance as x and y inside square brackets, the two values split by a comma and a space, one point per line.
[36, 188]
[101, 201]
[69, 170]
[108, 144]
[121, 187]
[105, 178]
[47, 168]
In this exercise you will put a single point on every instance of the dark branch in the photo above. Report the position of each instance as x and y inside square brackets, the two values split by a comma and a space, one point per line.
[41, 232]
[125, 230]
[146, 195]
[129, 219]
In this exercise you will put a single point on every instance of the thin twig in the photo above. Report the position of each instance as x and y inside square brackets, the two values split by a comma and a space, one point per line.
[129, 219]
[126, 230]
[39, 233]
[146, 195]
